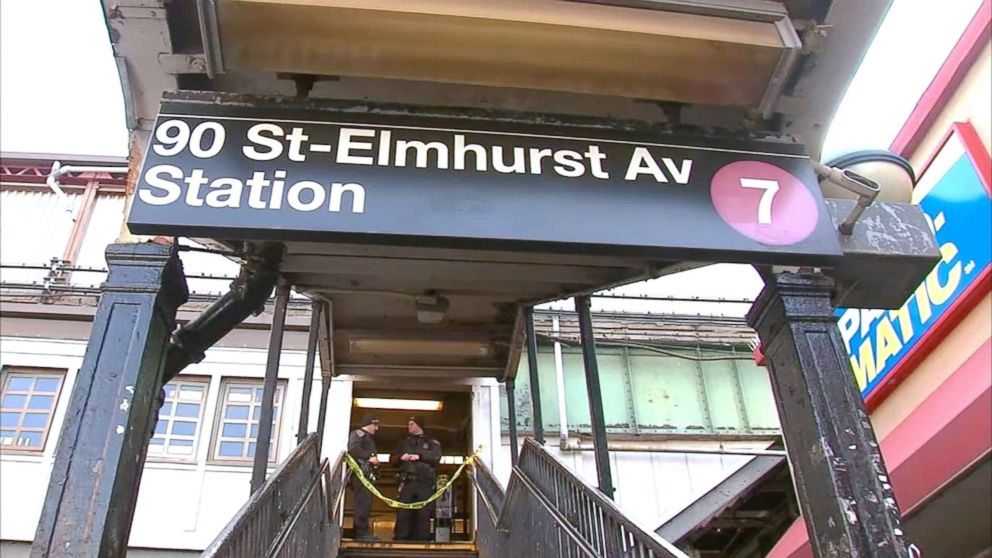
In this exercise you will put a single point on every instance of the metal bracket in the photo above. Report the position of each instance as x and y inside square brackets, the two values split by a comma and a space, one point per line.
[866, 189]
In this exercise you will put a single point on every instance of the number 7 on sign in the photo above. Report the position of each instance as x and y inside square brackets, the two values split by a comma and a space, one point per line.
[771, 188]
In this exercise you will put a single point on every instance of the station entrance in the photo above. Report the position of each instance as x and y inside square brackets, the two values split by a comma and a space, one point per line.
[448, 418]
[430, 278]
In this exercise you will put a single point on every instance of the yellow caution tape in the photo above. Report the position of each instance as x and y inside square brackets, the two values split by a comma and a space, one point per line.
[357, 471]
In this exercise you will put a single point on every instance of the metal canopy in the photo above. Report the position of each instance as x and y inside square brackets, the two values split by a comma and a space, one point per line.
[439, 241]
[374, 290]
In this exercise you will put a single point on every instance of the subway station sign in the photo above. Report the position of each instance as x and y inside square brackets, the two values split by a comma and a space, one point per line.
[953, 191]
[282, 173]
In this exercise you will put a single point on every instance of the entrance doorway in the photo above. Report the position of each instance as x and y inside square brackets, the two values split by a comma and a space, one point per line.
[448, 417]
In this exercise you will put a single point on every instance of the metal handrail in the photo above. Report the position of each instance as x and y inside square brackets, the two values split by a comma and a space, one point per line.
[597, 517]
[488, 488]
[273, 515]
[294, 518]
[547, 508]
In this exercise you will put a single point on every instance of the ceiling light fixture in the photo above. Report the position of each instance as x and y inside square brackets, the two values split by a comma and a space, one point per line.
[398, 404]
[427, 347]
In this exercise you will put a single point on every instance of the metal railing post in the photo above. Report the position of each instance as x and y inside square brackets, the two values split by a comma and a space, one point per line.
[511, 410]
[596, 415]
[535, 380]
[264, 439]
[301, 433]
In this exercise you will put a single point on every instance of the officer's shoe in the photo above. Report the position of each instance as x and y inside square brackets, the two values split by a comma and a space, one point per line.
[366, 537]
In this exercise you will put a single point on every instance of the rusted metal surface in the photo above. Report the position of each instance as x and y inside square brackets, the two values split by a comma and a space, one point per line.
[94, 483]
[841, 479]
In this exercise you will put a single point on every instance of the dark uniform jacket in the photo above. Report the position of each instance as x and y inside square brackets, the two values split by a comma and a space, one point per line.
[361, 446]
[429, 451]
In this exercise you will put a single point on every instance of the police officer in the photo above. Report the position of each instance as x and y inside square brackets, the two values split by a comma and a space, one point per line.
[416, 458]
[361, 447]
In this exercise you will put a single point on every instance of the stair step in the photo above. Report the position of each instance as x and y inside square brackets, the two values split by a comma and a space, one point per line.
[390, 549]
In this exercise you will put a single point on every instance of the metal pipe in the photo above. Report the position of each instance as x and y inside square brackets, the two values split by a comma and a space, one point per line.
[248, 295]
[537, 416]
[264, 439]
[619, 445]
[58, 171]
[676, 298]
[560, 385]
[595, 393]
[511, 410]
[301, 433]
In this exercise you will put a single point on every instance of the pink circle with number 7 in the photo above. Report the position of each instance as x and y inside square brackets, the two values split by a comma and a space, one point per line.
[764, 203]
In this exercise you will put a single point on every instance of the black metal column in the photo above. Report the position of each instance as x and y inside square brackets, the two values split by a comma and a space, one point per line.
[264, 439]
[842, 483]
[301, 433]
[535, 381]
[596, 417]
[511, 410]
[101, 451]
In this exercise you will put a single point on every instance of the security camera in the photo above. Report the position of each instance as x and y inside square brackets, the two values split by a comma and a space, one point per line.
[866, 176]
[893, 175]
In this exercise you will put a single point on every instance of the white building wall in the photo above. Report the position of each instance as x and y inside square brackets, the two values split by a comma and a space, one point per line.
[180, 505]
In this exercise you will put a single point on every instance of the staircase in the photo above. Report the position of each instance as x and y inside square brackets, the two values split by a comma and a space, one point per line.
[545, 511]
[362, 549]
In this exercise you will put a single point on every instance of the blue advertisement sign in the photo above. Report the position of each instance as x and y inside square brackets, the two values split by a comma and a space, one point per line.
[954, 195]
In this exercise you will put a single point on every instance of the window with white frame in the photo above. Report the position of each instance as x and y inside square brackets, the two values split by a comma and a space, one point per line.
[238, 418]
[27, 403]
[179, 420]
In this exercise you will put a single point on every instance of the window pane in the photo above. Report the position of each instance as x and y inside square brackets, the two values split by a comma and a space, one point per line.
[166, 410]
[36, 420]
[183, 428]
[255, 413]
[10, 419]
[29, 439]
[232, 430]
[187, 410]
[47, 385]
[160, 426]
[156, 441]
[170, 391]
[184, 448]
[231, 449]
[6, 437]
[239, 395]
[14, 401]
[254, 431]
[190, 393]
[41, 402]
[251, 449]
[239, 412]
[19, 383]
